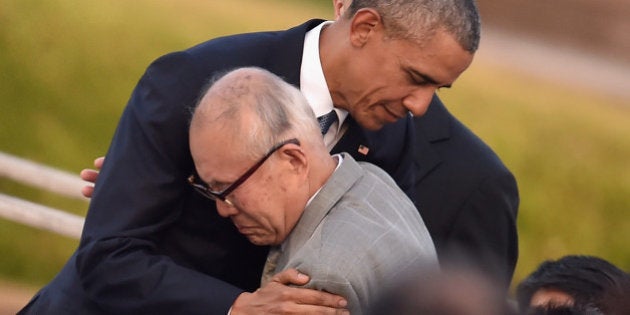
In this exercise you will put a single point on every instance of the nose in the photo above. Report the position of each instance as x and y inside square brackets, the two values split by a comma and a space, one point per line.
[417, 102]
[226, 209]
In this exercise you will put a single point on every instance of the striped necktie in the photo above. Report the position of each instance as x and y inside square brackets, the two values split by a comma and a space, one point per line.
[326, 121]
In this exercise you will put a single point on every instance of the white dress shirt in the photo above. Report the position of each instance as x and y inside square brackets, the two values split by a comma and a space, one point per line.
[314, 87]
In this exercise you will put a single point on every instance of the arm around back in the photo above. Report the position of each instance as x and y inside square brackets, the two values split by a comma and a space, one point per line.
[141, 201]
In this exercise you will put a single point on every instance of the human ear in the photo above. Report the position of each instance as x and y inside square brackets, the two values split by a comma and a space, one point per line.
[339, 7]
[295, 157]
[363, 26]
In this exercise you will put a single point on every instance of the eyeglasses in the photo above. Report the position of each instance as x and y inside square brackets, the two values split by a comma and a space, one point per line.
[222, 195]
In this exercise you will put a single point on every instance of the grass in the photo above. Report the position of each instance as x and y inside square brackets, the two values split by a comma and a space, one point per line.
[69, 67]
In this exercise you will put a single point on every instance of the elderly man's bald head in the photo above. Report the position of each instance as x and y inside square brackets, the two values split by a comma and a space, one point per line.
[258, 151]
[257, 107]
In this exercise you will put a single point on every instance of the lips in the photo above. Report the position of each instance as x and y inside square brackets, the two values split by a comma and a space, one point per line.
[393, 116]
[243, 229]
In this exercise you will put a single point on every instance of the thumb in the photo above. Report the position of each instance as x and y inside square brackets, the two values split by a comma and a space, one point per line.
[291, 276]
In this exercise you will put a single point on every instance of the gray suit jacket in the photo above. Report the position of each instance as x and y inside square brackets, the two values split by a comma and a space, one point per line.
[358, 233]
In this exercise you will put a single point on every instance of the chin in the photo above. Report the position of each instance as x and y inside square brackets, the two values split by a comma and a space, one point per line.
[375, 127]
[371, 124]
[258, 241]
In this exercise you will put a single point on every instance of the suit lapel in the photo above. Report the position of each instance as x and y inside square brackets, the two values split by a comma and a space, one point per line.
[287, 58]
[390, 148]
[431, 128]
[353, 139]
[339, 183]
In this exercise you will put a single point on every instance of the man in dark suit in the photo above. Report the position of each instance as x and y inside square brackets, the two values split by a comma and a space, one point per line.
[150, 245]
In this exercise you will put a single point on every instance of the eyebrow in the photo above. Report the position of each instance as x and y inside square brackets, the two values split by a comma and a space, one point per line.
[427, 78]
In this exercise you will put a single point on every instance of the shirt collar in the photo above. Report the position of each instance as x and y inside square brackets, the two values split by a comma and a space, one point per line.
[307, 221]
[339, 159]
[312, 81]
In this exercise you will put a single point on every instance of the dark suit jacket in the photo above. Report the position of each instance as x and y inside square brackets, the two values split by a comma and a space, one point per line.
[152, 245]
[467, 197]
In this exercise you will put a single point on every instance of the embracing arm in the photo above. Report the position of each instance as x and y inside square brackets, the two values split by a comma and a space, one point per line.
[148, 236]
[277, 297]
[141, 194]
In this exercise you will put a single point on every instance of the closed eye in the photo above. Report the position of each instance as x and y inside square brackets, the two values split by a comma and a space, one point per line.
[415, 80]
[218, 186]
[422, 79]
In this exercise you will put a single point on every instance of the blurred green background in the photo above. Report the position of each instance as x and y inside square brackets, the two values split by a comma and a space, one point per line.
[67, 68]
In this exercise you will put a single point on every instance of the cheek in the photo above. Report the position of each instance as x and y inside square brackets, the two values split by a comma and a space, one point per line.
[258, 213]
[283, 189]
[264, 201]
[389, 95]
[277, 186]
[268, 189]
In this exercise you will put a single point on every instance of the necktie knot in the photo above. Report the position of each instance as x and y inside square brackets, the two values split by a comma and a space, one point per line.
[326, 121]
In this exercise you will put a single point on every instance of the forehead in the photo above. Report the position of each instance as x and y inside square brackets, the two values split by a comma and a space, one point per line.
[217, 155]
[549, 296]
[440, 54]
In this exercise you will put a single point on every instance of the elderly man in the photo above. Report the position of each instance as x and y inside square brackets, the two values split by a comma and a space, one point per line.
[346, 224]
[149, 245]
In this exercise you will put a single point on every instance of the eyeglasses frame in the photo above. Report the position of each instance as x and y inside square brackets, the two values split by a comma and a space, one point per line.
[222, 195]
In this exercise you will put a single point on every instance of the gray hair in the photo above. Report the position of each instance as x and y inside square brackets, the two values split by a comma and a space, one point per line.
[418, 20]
[281, 112]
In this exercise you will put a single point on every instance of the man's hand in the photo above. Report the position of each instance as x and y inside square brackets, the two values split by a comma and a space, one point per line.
[278, 298]
[90, 175]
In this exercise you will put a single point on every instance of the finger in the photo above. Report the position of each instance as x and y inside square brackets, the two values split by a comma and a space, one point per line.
[87, 191]
[319, 298]
[275, 298]
[290, 308]
[315, 309]
[89, 175]
[291, 276]
[307, 296]
[98, 163]
[304, 296]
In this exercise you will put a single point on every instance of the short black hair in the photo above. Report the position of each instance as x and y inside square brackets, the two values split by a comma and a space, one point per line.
[564, 310]
[587, 279]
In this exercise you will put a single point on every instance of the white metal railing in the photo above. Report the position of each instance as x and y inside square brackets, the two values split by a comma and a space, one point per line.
[47, 178]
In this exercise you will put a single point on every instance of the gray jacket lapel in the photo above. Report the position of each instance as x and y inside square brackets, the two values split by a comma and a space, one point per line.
[333, 190]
